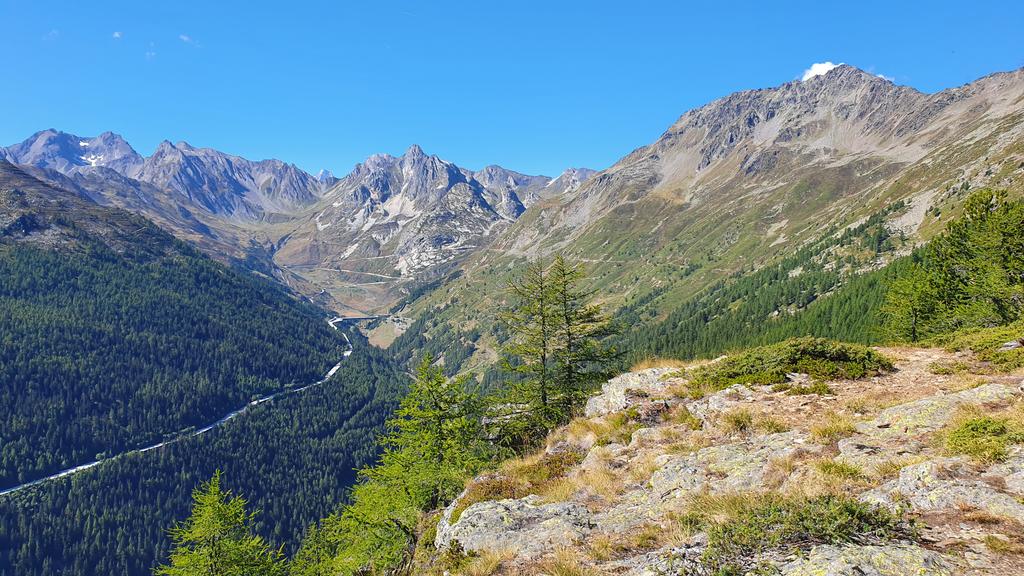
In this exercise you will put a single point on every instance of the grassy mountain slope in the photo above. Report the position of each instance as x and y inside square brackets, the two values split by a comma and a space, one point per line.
[742, 184]
[115, 333]
[294, 458]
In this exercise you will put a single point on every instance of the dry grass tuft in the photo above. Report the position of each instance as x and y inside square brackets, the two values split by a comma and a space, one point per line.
[770, 424]
[642, 468]
[680, 415]
[1003, 545]
[834, 427]
[658, 362]
[487, 563]
[738, 421]
[891, 468]
[565, 562]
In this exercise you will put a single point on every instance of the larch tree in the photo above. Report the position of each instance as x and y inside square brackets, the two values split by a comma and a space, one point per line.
[555, 351]
[581, 359]
[218, 539]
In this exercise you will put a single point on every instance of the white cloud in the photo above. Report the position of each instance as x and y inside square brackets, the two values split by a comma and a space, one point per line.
[185, 38]
[117, 35]
[884, 77]
[52, 35]
[817, 69]
[150, 54]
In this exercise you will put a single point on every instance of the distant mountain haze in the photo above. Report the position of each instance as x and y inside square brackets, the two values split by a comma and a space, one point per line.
[392, 220]
[740, 179]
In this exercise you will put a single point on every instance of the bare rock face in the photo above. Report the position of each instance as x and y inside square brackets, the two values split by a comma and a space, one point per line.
[227, 185]
[870, 561]
[68, 154]
[1011, 472]
[946, 484]
[627, 506]
[525, 526]
[615, 393]
[399, 217]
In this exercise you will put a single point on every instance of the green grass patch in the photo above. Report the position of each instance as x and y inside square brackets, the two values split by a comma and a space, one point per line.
[986, 344]
[816, 387]
[984, 438]
[841, 470]
[832, 429]
[743, 529]
[820, 358]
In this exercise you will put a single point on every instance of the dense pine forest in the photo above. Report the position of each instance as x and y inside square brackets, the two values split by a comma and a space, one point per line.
[294, 458]
[113, 334]
[121, 352]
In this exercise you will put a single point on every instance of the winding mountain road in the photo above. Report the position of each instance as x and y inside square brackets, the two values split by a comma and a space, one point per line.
[334, 322]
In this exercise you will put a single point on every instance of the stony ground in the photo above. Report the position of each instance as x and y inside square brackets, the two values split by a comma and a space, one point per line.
[606, 494]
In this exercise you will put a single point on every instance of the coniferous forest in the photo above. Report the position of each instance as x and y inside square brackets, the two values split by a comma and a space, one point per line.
[123, 351]
[115, 335]
[293, 458]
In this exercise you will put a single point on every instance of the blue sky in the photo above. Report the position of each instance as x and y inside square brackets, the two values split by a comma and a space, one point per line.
[533, 86]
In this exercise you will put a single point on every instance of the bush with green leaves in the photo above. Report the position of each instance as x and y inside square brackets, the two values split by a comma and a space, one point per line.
[821, 358]
[985, 438]
[988, 345]
[771, 522]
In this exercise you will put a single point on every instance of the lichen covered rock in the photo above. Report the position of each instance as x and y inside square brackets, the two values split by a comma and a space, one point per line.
[930, 414]
[945, 484]
[615, 393]
[870, 561]
[526, 526]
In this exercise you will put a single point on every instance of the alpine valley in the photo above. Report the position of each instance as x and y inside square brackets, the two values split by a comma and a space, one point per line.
[163, 317]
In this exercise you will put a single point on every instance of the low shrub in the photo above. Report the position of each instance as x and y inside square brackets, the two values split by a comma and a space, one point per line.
[986, 343]
[769, 522]
[821, 358]
[984, 438]
[817, 387]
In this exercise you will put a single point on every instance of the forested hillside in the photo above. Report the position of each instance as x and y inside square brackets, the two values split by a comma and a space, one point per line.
[113, 335]
[294, 459]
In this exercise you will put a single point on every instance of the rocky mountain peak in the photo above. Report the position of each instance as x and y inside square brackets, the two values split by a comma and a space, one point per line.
[67, 153]
[414, 152]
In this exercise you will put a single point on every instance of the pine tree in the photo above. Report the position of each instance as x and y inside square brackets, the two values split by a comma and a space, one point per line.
[218, 539]
[911, 304]
[433, 444]
[980, 271]
[529, 354]
[582, 359]
[434, 440]
[555, 349]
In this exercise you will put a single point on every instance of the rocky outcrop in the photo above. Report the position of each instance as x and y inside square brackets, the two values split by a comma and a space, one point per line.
[621, 507]
[948, 484]
[615, 394]
[930, 414]
[526, 527]
[870, 561]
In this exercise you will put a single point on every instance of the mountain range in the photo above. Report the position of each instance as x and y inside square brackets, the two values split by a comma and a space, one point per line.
[729, 186]
[754, 210]
[743, 182]
[389, 223]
